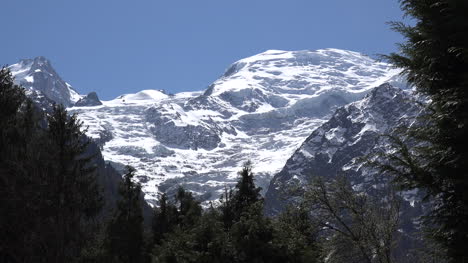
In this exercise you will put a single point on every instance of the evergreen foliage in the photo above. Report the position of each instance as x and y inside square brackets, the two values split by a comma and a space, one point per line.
[235, 231]
[72, 197]
[16, 177]
[49, 197]
[189, 210]
[235, 202]
[296, 236]
[163, 219]
[125, 240]
[432, 155]
[252, 236]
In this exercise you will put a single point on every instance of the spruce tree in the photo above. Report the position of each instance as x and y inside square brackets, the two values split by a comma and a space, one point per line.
[70, 193]
[190, 209]
[160, 224]
[296, 236]
[435, 60]
[250, 232]
[226, 208]
[252, 236]
[17, 189]
[47, 187]
[164, 220]
[124, 241]
[246, 193]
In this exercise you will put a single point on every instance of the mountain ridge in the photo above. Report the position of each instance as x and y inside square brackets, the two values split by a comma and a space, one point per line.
[262, 109]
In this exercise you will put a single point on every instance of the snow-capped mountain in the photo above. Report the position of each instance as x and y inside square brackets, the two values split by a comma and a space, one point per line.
[261, 109]
[335, 148]
[342, 145]
[40, 80]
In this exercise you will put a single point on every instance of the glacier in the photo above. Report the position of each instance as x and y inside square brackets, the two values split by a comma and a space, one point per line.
[262, 109]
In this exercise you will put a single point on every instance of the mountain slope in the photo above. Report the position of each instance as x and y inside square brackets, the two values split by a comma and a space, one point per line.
[261, 109]
[40, 79]
[335, 147]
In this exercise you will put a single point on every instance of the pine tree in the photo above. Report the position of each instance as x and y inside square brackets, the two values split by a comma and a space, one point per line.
[11, 97]
[47, 186]
[125, 241]
[164, 220]
[246, 193]
[190, 209]
[296, 236]
[250, 232]
[226, 208]
[252, 236]
[71, 197]
[435, 60]
[17, 220]
[204, 242]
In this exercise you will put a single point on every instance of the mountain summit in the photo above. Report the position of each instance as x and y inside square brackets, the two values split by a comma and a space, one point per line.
[40, 79]
[261, 109]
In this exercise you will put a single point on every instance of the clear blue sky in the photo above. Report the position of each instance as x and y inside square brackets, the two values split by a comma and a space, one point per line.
[115, 47]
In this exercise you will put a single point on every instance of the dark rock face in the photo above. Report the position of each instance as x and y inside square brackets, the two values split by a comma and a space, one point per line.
[89, 100]
[43, 78]
[109, 180]
[334, 148]
[167, 131]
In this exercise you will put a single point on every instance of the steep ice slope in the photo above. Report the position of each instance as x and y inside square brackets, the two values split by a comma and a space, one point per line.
[261, 109]
[41, 80]
[334, 148]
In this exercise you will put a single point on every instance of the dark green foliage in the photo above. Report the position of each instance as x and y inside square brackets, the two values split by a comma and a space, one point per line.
[211, 241]
[236, 231]
[48, 193]
[16, 177]
[245, 194]
[72, 195]
[205, 242]
[165, 217]
[189, 209]
[125, 240]
[226, 208]
[252, 236]
[11, 97]
[174, 228]
[295, 236]
[435, 59]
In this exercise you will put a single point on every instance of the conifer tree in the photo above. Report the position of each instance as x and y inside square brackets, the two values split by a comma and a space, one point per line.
[250, 232]
[296, 236]
[47, 187]
[164, 220]
[435, 60]
[71, 197]
[226, 208]
[124, 241]
[252, 236]
[17, 220]
[204, 242]
[246, 193]
[190, 209]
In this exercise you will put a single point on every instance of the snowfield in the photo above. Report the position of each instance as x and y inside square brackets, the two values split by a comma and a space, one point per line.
[262, 109]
